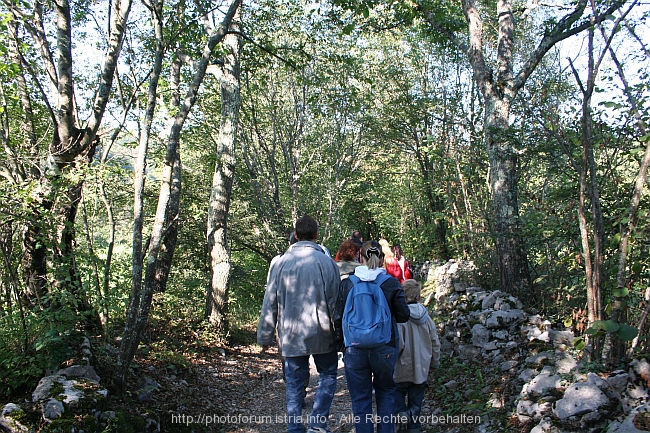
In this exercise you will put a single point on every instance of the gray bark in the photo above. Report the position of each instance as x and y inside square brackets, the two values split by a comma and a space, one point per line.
[71, 145]
[499, 88]
[140, 307]
[222, 181]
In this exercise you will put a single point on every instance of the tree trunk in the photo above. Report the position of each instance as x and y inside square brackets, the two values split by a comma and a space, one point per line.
[499, 88]
[513, 263]
[70, 147]
[639, 185]
[435, 203]
[137, 247]
[222, 181]
[140, 304]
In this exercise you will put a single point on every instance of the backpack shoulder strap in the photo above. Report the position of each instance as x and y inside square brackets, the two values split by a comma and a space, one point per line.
[381, 278]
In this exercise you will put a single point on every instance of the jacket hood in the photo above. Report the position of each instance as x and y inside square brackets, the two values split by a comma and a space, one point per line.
[366, 274]
[308, 245]
[418, 313]
[347, 267]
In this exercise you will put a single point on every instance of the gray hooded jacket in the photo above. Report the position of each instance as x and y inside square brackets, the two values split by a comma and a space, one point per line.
[419, 347]
[300, 298]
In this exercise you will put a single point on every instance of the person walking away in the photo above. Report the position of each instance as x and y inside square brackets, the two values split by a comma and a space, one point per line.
[419, 350]
[404, 264]
[299, 305]
[292, 240]
[347, 257]
[390, 263]
[371, 367]
[357, 238]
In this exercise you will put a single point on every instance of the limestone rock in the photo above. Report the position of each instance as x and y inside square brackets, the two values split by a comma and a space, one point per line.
[580, 399]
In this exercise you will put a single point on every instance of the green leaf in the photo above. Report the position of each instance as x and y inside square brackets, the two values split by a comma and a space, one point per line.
[603, 325]
[568, 322]
[609, 325]
[579, 343]
[540, 279]
[627, 332]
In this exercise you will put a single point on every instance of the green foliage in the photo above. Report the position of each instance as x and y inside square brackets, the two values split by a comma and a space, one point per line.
[621, 330]
[26, 354]
[359, 113]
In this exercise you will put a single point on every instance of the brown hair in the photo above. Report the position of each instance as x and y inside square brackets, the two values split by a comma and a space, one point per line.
[306, 228]
[372, 254]
[412, 290]
[348, 251]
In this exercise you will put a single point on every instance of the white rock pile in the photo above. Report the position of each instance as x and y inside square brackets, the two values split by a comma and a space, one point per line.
[558, 394]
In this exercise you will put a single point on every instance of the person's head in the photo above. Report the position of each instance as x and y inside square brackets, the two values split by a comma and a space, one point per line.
[356, 235]
[385, 248]
[412, 289]
[372, 255]
[348, 251]
[356, 241]
[397, 251]
[306, 229]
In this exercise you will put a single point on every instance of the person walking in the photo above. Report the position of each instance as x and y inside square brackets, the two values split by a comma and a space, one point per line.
[404, 264]
[419, 351]
[371, 368]
[299, 305]
[347, 257]
[390, 263]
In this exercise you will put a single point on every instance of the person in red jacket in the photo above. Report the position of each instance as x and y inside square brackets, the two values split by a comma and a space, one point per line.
[394, 262]
[404, 265]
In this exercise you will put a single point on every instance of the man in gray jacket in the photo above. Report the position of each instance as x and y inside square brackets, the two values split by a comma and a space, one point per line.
[301, 294]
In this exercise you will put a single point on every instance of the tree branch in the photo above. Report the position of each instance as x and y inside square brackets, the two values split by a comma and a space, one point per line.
[562, 30]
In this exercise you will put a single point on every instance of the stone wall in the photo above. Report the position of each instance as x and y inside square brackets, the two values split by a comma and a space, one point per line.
[557, 393]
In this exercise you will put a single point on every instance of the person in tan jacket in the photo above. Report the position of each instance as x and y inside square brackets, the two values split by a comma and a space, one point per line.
[419, 350]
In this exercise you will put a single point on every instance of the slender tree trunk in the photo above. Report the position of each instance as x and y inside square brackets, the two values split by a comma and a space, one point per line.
[639, 185]
[127, 349]
[592, 247]
[140, 304]
[27, 121]
[435, 204]
[101, 300]
[170, 235]
[103, 307]
[222, 181]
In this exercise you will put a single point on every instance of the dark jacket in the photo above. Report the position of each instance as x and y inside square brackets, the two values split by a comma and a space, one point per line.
[392, 291]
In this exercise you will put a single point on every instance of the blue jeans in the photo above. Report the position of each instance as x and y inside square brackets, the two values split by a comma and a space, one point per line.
[296, 375]
[366, 369]
[415, 395]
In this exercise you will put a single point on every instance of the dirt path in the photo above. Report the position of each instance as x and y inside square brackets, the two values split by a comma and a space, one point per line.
[243, 390]
[238, 389]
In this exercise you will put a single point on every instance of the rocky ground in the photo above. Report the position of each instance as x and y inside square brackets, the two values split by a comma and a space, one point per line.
[240, 390]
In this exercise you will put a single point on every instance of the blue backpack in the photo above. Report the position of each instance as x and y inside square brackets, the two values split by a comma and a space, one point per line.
[366, 316]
